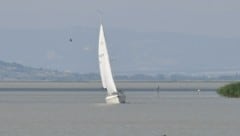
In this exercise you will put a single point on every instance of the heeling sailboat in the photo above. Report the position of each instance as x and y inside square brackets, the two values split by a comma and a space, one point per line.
[114, 96]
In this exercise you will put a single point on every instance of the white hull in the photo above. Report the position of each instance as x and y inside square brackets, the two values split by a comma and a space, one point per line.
[116, 98]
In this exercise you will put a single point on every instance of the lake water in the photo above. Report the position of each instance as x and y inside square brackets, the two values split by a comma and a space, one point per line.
[83, 113]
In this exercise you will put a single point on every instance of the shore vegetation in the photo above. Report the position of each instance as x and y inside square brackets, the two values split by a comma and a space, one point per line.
[230, 90]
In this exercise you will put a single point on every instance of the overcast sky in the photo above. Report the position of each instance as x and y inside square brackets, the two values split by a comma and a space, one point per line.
[218, 19]
[207, 17]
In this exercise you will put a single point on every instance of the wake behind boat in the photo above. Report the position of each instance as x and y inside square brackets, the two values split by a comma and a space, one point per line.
[114, 96]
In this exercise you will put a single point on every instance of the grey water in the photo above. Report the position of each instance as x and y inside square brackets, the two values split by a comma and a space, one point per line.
[84, 113]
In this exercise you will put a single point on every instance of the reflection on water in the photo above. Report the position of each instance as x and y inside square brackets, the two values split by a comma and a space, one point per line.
[74, 113]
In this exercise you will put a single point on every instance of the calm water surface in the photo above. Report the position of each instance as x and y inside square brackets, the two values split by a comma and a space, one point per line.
[73, 113]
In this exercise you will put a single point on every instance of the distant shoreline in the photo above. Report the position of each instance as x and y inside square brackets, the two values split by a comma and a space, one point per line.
[134, 85]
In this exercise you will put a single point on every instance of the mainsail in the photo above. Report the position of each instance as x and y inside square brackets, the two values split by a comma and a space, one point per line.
[104, 64]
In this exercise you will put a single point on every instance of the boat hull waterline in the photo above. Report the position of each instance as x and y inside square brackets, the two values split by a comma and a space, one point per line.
[115, 99]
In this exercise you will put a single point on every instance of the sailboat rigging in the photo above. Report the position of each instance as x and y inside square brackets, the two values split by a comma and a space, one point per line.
[114, 96]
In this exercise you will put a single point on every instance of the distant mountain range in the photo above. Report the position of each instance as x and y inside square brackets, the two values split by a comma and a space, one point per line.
[131, 51]
[19, 72]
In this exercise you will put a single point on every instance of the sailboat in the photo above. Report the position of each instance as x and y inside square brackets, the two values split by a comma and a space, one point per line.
[114, 96]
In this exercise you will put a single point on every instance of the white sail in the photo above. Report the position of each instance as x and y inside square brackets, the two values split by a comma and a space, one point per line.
[104, 64]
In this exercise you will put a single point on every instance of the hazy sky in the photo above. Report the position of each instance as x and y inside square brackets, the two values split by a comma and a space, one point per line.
[207, 17]
[20, 19]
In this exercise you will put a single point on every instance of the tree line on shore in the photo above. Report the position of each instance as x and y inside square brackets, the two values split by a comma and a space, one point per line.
[230, 90]
[18, 72]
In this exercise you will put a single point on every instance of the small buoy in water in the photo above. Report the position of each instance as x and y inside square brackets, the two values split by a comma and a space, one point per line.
[198, 91]
[164, 134]
[70, 40]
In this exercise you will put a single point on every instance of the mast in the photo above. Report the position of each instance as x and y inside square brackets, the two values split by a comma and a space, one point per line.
[104, 64]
